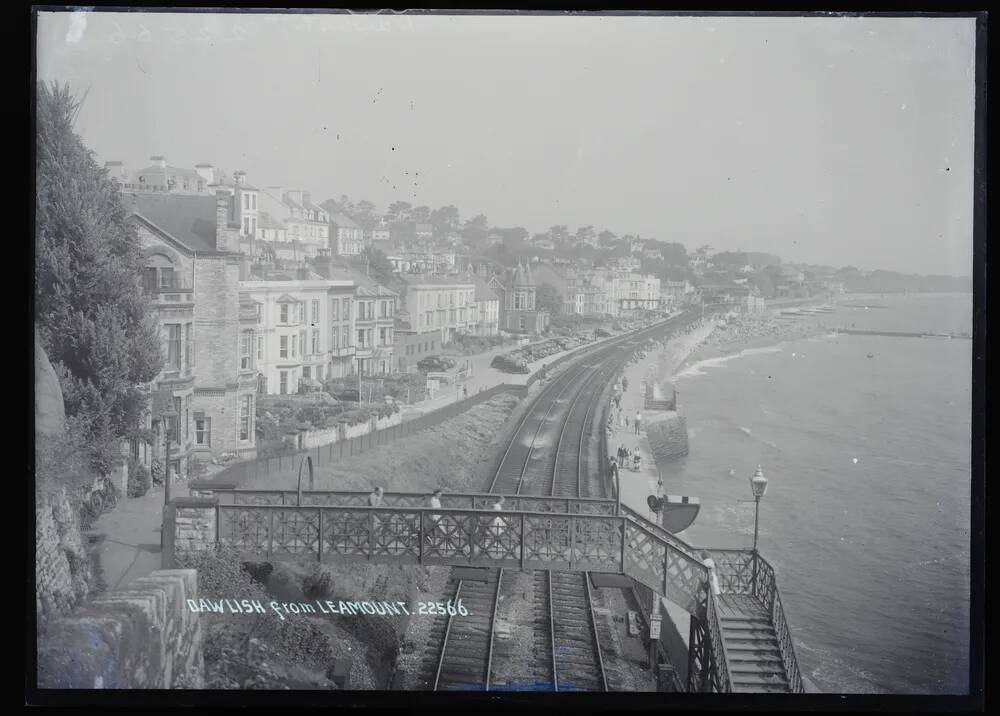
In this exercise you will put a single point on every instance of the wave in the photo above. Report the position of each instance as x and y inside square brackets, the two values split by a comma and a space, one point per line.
[696, 369]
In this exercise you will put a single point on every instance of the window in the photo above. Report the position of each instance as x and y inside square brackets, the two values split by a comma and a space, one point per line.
[521, 322]
[302, 343]
[291, 339]
[173, 346]
[246, 226]
[334, 338]
[347, 309]
[246, 350]
[283, 346]
[284, 312]
[315, 341]
[315, 311]
[260, 348]
[361, 339]
[246, 201]
[253, 202]
[188, 347]
[306, 371]
[283, 382]
[246, 405]
[319, 373]
[203, 431]
[334, 309]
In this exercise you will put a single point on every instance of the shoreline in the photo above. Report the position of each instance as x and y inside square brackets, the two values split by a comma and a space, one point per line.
[749, 332]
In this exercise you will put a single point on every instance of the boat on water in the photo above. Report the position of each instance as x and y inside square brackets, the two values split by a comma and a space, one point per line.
[939, 336]
[871, 355]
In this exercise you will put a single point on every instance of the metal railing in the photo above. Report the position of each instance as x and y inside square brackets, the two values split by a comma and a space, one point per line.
[745, 572]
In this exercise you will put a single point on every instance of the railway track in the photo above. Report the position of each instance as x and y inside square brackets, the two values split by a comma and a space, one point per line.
[541, 460]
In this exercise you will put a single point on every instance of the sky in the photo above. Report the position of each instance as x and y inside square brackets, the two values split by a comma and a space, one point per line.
[825, 140]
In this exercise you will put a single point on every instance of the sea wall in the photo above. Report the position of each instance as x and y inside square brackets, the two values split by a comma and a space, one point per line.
[668, 438]
[141, 636]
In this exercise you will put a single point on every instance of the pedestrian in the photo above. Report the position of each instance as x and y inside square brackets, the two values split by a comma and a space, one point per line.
[713, 576]
[624, 384]
[638, 419]
[497, 529]
[434, 502]
[626, 422]
[375, 500]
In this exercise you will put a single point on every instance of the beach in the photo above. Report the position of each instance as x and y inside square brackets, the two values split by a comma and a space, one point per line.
[748, 332]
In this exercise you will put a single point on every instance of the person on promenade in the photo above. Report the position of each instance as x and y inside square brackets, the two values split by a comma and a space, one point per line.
[713, 576]
[624, 384]
[626, 422]
[375, 500]
[434, 502]
[638, 419]
[494, 537]
[465, 391]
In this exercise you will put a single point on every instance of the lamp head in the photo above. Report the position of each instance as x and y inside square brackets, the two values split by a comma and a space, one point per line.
[758, 483]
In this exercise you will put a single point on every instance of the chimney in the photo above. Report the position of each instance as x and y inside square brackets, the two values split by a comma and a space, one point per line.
[240, 176]
[226, 239]
[159, 161]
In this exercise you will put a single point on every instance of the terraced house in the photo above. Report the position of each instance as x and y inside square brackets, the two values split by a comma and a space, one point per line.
[372, 312]
[192, 270]
[304, 329]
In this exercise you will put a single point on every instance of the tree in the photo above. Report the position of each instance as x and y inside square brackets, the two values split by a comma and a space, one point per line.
[364, 212]
[379, 267]
[585, 234]
[445, 219]
[93, 319]
[421, 214]
[476, 227]
[547, 298]
[559, 233]
[400, 210]
[606, 238]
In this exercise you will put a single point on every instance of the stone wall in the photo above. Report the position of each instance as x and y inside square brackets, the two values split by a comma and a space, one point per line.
[668, 438]
[62, 567]
[189, 525]
[142, 636]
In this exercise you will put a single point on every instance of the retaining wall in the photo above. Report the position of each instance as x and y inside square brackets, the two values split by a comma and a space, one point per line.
[141, 636]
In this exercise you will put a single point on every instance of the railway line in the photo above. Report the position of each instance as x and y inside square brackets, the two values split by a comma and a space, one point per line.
[551, 452]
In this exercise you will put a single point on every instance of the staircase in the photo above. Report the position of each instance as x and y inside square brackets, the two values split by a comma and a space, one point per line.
[755, 664]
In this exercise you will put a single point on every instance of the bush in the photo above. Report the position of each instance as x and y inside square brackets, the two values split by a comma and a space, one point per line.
[318, 584]
[139, 479]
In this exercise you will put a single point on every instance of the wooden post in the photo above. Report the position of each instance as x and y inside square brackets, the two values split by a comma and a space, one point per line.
[168, 537]
[319, 542]
[522, 540]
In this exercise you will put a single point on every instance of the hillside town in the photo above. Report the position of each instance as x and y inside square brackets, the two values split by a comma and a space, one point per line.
[261, 291]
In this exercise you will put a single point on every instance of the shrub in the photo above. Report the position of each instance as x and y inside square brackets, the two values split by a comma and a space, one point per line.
[318, 584]
[139, 479]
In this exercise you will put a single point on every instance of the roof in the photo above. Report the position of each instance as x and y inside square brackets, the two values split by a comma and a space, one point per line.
[180, 171]
[269, 222]
[483, 291]
[290, 201]
[188, 219]
[313, 207]
[343, 221]
[366, 285]
[433, 280]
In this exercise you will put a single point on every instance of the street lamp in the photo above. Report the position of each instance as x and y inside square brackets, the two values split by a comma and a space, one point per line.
[168, 417]
[758, 485]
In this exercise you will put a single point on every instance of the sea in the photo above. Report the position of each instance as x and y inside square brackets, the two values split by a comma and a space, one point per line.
[866, 518]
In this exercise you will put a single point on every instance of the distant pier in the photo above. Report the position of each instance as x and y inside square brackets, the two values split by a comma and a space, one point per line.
[900, 334]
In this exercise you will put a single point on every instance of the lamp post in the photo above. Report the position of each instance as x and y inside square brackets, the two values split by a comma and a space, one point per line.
[758, 485]
[167, 416]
